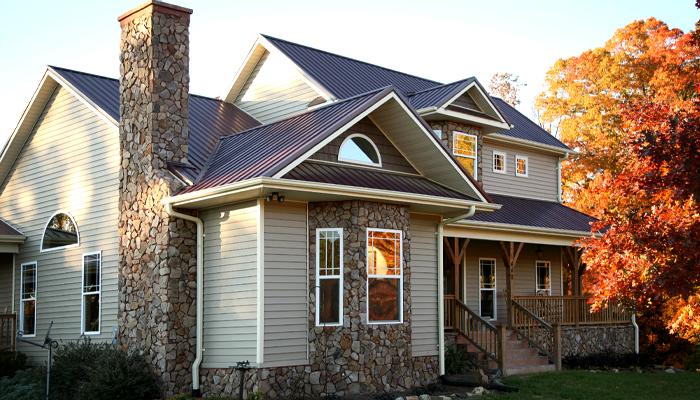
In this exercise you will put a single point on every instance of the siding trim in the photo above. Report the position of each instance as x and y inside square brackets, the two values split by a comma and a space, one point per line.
[260, 281]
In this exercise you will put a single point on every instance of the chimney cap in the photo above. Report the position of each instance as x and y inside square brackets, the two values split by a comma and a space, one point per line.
[158, 6]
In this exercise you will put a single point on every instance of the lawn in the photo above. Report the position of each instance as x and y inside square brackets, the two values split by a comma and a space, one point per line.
[584, 385]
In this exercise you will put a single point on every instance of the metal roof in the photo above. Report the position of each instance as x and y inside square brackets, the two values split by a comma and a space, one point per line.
[535, 213]
[345, 77]
[265, 150]
[210, 118]
[8, 230]
[438, 95]
[523, 127]
[369, 178]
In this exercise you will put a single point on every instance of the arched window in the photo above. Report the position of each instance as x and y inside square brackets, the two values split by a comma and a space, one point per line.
[61, 231]
[359, 149]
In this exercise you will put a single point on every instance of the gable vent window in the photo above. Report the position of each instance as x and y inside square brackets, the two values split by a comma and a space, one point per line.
[464, 149]
[359, 149]
[60, 232]
[499, 162]
[520, 165]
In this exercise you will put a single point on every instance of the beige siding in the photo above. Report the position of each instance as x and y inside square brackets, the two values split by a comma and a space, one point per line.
[541, 182]
[424, 286]
[274, 90]
[5, 283]
[230, 285]
[524, 279]
[286, 284]
[70, 163]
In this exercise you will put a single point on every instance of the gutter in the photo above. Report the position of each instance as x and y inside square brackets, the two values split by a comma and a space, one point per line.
[441, 288]
[196, 392]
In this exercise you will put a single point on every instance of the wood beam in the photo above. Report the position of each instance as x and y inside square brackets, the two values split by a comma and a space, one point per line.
[510, 252]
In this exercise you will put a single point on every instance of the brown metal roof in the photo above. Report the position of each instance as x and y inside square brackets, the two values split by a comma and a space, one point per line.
[370, 178]
[7, 230]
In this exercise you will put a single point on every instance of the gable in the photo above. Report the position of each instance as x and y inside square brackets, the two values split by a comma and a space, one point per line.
[391, 158]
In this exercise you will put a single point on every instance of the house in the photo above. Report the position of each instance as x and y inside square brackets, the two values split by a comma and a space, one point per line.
[335, 223]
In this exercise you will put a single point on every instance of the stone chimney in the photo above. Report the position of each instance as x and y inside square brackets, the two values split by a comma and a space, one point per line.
[157, 253]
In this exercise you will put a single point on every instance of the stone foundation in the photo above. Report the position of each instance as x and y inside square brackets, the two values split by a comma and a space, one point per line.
[583, 341]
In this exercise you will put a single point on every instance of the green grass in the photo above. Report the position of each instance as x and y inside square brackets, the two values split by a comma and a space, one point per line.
[584, 385]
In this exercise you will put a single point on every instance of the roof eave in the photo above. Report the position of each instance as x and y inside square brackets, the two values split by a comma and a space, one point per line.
[529, 143]
[444, 113]
[525, 228]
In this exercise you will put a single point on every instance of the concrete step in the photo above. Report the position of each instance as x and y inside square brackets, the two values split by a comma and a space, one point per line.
[522, 362]
[529, 369]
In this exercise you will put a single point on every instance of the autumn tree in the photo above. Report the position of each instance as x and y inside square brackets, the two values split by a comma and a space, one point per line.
[585, 97]
[506, 86]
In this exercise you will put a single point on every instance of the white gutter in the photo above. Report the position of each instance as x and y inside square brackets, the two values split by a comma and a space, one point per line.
[441, 288]
[200, 295]
[497, 226]
[636, 333]
[528, 143]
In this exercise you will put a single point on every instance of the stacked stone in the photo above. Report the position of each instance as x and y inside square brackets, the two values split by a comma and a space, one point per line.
[448, 127]
[157, 267]
[590, 340]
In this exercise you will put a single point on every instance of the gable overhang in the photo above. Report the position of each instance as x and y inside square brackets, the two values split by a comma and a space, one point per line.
[514, 233]
[49, 83]
[505, 139]
[441, 111]
[257, 51]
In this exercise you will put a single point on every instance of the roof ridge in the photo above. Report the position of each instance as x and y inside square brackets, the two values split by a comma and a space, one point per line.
[350, 58]
[439, 86]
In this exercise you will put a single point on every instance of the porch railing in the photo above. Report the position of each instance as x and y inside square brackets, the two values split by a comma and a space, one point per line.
[534, 329]
[480, 332]
[573, 310]
[8, 323]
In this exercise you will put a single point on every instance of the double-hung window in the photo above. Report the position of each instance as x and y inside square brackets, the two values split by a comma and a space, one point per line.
[499, 162]
[544, 281]
[329, 276]
[487, 288]
[27, 320]
[92, 272]
[384, 276]
[464, 149]
[520, 165]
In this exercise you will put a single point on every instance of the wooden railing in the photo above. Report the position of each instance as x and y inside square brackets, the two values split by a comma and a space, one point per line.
[573, 310]
[535, 330]
[480, 332]
[8, 324]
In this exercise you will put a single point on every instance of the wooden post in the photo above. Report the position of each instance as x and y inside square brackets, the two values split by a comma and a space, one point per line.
[556, 350]
[502, 340]
[510, 256]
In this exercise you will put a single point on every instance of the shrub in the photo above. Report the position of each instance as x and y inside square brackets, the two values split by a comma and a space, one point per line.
[25, 384]
[455, 360]
[72, 363]
[11, 362]
[608, 359]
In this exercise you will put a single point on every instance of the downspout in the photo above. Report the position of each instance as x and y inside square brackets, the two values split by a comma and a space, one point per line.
[196, 392]
[636, 333]
[441, 289]
[13, 282]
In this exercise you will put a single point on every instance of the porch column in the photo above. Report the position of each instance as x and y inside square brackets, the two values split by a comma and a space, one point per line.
[510, 251]
[456, 253]
[573, 256]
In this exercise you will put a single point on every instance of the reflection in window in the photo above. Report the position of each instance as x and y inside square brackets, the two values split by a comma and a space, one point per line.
[544, 283]
[61, 231]
[499, 162]
[329, 276]
[520, 165]
[384, 269]
[27, 321]
[359, 149]
[92, 269]
[464, 149]
[487, 288]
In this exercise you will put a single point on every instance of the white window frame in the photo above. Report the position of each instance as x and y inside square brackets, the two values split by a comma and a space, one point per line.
[475, 157]
[505, 162]
[83, 294]
[22, 300]
[494, 289]
[376, 150]
[339, 231]
[400, 278]
[527, 165]
[548, 264]
[46, 225]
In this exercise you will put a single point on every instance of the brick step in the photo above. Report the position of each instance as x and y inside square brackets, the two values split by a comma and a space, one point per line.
[521, 362]
[521, 354]
[529, 369]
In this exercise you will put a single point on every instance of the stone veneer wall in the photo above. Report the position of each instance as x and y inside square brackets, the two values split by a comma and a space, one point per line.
[448, 127]
[588, 340]
[357, 357]
[157, 266]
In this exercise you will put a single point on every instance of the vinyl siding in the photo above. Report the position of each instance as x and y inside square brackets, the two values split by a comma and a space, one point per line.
[524, 277]
[230, 285]
[274, 90]
[424, 286]
[286, 284]
[70, 163]
[541, 182]
[5, 283]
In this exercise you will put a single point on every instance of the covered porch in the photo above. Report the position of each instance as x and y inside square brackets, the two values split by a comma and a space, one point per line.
[10, 241]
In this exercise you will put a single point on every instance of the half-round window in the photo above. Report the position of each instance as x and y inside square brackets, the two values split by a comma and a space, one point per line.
[359, 149]
[61, 231]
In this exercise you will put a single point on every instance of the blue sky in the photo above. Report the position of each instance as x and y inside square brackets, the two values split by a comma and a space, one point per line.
[439, 39]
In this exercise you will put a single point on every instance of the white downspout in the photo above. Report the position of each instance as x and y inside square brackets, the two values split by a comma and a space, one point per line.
[441, 289]
[13, 283]
[636, 333]
[200, 292]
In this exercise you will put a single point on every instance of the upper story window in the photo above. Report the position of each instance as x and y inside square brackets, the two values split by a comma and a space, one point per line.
[61, 231]
[384, 276]
[520, 165]
[437, 133]
[359, 149]
[464, 149]
[329, 277]
[499, 162]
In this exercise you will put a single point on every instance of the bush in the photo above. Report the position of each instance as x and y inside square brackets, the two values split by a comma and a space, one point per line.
[25, 384]
[455, 360]
[608, 359]
[11, 362]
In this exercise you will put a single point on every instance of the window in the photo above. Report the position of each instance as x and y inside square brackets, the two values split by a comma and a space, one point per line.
[499, 162]
[60, 232]
[487, 288]
[27, 318]
[92, 274]
[520, 165]
[544, 281]
[359, 149]
[437, 133]
[384, 276]
[329, 277]
[464, 148]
